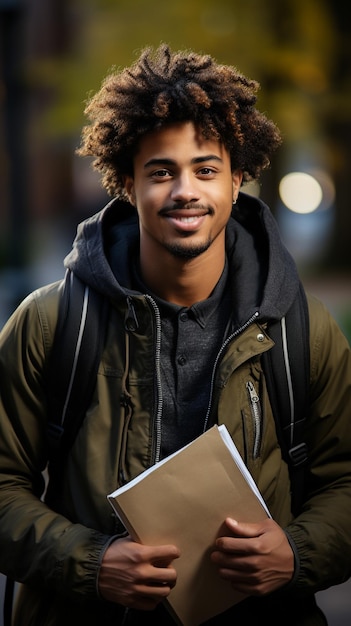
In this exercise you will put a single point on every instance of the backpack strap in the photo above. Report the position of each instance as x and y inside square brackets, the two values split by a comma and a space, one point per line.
[287, 372]
[73, 367]
[8, 601]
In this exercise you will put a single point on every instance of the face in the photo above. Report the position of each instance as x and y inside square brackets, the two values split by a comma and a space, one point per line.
[183, 189]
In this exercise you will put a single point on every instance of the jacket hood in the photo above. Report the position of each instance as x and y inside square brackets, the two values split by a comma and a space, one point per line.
[264, 277]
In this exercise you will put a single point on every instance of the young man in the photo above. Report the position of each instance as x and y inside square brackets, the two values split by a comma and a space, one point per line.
[199, 268]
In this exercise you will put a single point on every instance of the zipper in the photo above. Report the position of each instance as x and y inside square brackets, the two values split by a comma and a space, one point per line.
[131, 324]
[156, 444]
[257, 417]
[237, 332]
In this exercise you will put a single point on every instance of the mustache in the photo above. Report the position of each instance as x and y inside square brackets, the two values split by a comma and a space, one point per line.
[187, 206]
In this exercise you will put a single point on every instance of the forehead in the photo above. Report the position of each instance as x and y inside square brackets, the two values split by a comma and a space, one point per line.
[179, 142]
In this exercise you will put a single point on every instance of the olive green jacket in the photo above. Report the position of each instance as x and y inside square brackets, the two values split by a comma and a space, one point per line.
[56, 553]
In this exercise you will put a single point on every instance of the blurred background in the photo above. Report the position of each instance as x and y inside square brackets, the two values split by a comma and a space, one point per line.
[54, 53]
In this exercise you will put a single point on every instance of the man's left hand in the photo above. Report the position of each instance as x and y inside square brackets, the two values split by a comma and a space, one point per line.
[256, 558]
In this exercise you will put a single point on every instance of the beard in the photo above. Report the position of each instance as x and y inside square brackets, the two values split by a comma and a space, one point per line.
[181, 251]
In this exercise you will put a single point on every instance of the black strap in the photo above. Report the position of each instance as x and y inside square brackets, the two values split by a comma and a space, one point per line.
[74, 362]
[287, 372]
[8, 601]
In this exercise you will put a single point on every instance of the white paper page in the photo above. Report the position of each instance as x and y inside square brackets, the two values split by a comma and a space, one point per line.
[240, 464]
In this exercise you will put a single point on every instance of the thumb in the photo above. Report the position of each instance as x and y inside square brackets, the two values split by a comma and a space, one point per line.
[243, 529]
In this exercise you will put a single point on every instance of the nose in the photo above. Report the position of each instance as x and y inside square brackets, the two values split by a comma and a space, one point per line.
[184, 189]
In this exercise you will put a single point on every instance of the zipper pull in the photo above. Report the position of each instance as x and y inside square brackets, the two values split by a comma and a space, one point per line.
[131, 322]
[257, 417]
[252, 391]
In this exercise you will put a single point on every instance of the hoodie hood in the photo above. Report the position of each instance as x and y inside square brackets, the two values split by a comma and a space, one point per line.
[263, 274]
[113, 229]
[261, 261]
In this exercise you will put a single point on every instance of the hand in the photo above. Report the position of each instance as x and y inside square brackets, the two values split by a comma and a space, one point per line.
[256, 558]
[137, 576]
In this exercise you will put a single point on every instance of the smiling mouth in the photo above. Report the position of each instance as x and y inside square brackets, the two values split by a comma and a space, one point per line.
[186, 219]
[186, 224]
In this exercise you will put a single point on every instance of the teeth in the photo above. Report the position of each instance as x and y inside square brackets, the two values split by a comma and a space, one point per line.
[188, 220]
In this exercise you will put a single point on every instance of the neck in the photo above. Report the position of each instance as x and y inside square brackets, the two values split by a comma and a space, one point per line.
[180, 281]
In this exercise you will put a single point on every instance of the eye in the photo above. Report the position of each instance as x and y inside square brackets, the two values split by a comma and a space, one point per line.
[206, 171]
[160, 173]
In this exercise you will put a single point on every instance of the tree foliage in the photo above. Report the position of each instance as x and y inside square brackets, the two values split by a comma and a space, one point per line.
[293, 47]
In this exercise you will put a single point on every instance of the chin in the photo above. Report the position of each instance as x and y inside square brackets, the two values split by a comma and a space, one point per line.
[191, 251]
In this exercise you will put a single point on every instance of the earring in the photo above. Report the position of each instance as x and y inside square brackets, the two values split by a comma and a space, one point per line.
[234, 201]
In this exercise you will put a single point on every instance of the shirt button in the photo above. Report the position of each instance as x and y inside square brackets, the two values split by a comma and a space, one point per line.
[183, 316]
[181, 359]
[260, 337]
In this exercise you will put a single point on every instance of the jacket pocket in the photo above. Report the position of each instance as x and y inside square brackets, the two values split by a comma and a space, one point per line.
[256, 413]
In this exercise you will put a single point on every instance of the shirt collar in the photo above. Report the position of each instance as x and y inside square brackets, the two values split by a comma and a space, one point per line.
[200, 311]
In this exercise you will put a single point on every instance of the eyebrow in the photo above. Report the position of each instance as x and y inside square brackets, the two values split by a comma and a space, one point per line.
[196, 160]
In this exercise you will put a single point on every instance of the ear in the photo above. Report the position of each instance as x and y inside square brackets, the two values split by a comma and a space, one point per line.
[129, 189]
[237, 177]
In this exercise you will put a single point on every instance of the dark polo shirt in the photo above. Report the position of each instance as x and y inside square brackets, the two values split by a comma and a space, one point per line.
[190, 340]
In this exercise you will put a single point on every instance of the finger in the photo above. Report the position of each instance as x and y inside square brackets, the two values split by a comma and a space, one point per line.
[164, 577]
[244, 529]
[164, 585]
[239, 545]
[235, 562]
[162, 556]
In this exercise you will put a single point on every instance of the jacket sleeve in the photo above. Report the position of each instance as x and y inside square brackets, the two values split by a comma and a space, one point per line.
[37, 546]
[321, 532]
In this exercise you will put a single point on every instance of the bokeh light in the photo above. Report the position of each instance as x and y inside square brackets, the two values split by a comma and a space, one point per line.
[300, 192]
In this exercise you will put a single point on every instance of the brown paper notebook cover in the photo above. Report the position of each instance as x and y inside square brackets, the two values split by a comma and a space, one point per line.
[184, 500]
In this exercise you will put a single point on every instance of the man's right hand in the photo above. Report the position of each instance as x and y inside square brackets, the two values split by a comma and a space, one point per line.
[135, 575]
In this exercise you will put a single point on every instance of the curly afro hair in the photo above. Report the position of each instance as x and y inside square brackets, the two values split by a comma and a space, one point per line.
[164, 87]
